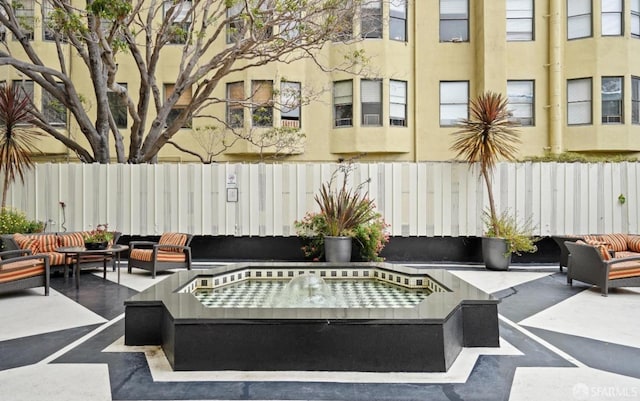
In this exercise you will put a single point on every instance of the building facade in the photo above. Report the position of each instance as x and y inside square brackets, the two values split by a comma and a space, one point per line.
[570, 68]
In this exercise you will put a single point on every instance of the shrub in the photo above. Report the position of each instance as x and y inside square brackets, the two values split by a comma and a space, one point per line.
[14, 221]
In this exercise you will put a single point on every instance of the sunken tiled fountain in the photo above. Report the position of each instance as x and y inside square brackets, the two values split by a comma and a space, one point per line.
[382, 318]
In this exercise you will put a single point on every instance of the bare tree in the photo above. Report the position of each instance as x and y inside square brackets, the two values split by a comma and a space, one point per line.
[217, 38]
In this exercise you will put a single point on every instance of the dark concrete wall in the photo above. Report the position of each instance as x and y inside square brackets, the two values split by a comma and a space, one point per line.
[399, 249]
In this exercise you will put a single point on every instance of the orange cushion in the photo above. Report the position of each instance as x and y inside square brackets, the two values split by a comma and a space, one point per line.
[617, 242]
[163, 256]
[601, 246]
[21, 269]
[633, 243]
[48, 242]
[27, 242]
[625, 269]
[71, 239]
[173, 239]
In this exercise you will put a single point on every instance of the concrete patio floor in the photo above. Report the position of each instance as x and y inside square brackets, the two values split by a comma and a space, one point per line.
[557, 343]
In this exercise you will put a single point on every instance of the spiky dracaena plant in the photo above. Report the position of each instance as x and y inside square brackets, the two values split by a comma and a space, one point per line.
[16, 136]
[344, 208]
[485, 137]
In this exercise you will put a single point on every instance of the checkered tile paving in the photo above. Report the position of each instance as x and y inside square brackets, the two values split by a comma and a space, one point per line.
[356, 294]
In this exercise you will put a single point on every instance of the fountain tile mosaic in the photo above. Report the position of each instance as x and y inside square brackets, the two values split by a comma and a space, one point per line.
[355, 294]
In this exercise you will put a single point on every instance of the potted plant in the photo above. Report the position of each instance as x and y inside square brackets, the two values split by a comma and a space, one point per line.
[345, 214]
[98, 238]
[486, 136]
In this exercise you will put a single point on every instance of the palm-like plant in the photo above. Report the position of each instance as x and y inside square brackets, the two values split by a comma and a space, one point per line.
[485, 137]
[16, 135]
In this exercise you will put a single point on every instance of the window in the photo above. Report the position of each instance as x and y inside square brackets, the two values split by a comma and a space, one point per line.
[398, 103]
[26, 86]
[183, 101]
[398, 20]
[454, 99]
[635, 100]
[519, 20]
[635, 18]
[23, 10]
[54, 112]
[454, 21]
[521, 101]
[235, 25]
[579, 101]
[371, 17]
[578, 19]
[612, 100]
[235, 108]
[262, 103]
[180, 20]
[343, 28]
[343, 103]
[611, 17]
[48, 33]
[290, 100]
[118, 106]
[371, 102]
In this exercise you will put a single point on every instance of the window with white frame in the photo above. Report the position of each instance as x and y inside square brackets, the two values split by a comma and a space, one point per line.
[235, 104]
[635, 100]
[454, 21]
[262, 103]
[454, 102]
[118, 106]
[290, 104]
[343, 26]
[612, 18]
[371, 102]
[343, 103]
[54, 112]
[371, 17]
[235, 25]
[24, 12]
[180, 20]
[519, 20]
[397, 103]
[612, 100]
[521, 101]
[635, 18]
[398, 20]
[579, 101]
[578, 19]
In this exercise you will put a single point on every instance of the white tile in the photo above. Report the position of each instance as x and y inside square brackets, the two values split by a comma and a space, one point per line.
[458, 373]
[28, 313]
[579, 384]
[138, 279]
[56, 382]
[493, 281]
[614, 319]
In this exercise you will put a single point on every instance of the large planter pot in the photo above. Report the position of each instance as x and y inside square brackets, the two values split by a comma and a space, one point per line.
[494, 253]
[337, 249]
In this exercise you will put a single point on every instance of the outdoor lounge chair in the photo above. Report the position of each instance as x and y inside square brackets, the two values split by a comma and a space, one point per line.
[170, 252]
[19, 269]
[593, 264]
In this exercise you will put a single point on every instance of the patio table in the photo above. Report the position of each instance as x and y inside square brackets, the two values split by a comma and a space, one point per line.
[78, 251]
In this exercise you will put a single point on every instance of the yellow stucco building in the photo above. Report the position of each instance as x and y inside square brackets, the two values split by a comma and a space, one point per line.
[570, 68]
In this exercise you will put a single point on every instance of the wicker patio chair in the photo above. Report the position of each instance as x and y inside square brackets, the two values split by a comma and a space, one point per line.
[172, 251]
[19, 269]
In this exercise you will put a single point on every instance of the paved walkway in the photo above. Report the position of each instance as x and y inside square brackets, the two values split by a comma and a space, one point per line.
[557, 343]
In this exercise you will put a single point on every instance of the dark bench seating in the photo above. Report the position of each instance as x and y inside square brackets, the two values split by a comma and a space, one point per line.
[593, 264]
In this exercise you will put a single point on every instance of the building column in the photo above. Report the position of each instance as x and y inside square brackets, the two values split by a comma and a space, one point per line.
[555, 76]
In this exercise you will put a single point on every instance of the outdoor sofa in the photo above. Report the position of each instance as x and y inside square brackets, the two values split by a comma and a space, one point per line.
[47, 243]
[594, 264]
[620, 245]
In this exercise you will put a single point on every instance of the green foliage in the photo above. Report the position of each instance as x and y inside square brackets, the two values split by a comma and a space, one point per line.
[519, 236]
[100, 234]
[344, 208]
[573, 157]
[14, 221]
[371, 237]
